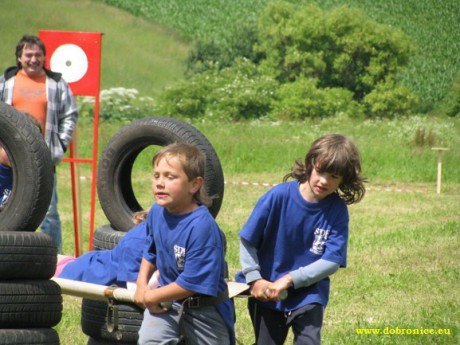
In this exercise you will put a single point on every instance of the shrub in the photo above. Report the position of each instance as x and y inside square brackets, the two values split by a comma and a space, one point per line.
[306, 63]
[208, 54]
[242, 93]
[389, 100]
[302, 99]
[450, 105]
[118, 104]
[342, 48]
[233, 93]
[186, 99]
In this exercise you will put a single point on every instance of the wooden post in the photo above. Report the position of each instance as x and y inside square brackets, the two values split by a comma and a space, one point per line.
[438, 178]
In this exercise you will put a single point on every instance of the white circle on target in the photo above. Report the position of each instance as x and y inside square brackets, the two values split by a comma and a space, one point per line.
[71, 61]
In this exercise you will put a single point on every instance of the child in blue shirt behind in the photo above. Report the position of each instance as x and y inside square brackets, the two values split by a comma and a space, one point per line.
[295, 238]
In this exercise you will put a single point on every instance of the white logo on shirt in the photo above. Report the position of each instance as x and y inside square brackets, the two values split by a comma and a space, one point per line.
[320, 240]
[179, 254]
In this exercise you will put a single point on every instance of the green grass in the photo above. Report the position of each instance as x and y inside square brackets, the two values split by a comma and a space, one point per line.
[403, 255]
[403, 258]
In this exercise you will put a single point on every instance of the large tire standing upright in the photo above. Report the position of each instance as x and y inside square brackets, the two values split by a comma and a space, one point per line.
[114, 185]
[32, 172]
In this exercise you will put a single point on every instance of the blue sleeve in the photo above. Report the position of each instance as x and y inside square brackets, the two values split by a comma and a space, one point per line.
[337, 241]
[149, 251]
[253, 230]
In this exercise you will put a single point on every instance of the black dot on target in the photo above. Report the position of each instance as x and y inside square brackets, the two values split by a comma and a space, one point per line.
[68, 63]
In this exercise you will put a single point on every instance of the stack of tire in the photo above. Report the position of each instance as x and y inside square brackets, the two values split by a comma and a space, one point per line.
[30, 303]
[118, 323]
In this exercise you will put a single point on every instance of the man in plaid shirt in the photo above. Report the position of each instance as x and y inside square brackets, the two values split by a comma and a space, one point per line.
[31, 88]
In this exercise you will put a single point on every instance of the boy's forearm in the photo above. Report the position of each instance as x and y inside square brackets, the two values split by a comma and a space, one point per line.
[145, 272]
[170, 292]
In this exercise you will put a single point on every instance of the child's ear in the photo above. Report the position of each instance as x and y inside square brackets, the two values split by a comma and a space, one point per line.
[197, 183]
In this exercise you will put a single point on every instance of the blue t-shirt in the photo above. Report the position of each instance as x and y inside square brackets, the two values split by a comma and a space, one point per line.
[108, 267]
[188, 249]
[290, 232]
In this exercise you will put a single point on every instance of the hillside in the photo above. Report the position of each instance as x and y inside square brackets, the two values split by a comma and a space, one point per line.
[135, 53]
[140, 53]
[434, 26]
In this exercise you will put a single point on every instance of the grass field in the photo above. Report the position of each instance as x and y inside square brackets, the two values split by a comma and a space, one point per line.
[403, 270]
[403, 260]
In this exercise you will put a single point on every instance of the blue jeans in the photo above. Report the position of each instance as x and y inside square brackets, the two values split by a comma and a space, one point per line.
[51, 225]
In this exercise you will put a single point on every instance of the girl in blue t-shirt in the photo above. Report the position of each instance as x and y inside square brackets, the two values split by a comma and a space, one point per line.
[185, 244]
[296, 237]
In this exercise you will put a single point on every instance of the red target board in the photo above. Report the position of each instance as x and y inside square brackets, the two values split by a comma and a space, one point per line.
[77, 55]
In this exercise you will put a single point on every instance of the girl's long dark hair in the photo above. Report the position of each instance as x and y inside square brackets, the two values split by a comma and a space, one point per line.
[335, 154]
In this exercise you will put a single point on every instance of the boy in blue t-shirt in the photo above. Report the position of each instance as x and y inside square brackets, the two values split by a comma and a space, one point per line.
[187, 248]
[296, 237]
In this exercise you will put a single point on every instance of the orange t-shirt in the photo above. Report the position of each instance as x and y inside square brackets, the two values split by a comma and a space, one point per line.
[29, 95]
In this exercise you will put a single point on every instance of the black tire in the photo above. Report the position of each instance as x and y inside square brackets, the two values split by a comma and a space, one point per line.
[32, 172]
[114, 183]
[106, 237]
[31, 336]
[94, 321]
[30, 304]
[27, 255]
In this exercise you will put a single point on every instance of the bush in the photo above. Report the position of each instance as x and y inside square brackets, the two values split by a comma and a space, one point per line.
[302, 99]
[343, 48]
[233, 93]
[186, 99]
[389, 100]
[208, 54]
[450, 105]
[305, 63]
[118, 104]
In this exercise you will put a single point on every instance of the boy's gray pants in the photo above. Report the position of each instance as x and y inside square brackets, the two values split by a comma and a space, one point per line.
[201, 326]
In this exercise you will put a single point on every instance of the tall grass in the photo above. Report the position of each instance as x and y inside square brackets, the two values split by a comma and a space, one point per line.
[390, 150]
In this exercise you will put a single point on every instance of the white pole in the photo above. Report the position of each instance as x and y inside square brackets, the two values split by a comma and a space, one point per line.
[439, 174]
[94, 291]
[103, 293]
